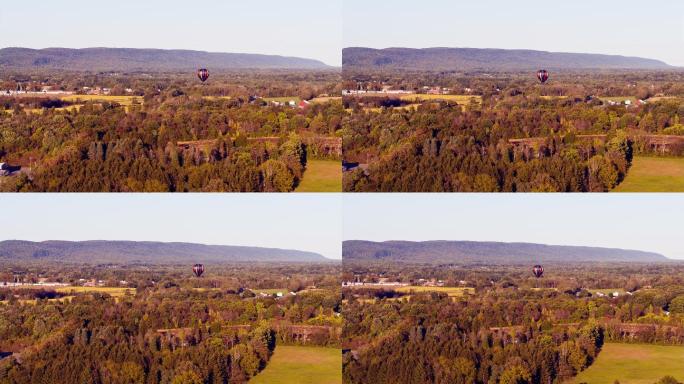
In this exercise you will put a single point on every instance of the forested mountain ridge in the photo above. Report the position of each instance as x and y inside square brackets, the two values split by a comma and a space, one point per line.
[122, 252]
[470, 252]
[452, 59]
[132, 59]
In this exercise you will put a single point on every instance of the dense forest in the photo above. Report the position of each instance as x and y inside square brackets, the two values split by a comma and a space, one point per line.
[239, 134]
[508, 327]
[169, 328]
[512, 136]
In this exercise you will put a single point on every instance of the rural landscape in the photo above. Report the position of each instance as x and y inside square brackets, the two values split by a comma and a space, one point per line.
[149, 312]
[487, 312]
[499, 120]
[148, 120]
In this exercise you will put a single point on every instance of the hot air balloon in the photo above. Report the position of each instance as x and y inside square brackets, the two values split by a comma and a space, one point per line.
[198, 269]
[543, 75]
[203, 74]
[538, 271]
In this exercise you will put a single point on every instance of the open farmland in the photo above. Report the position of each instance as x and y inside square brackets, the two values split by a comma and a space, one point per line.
[450, 291]
[302, 365]
[123, 100]
[461, 99]
[633, 364]
[112, 291]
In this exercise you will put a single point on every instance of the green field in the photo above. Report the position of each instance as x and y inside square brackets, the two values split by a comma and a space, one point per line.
[302, 365]
[322, 176]
[634, 364]
[654, 174]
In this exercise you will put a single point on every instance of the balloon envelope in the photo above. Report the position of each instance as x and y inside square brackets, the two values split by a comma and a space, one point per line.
[538, 271]
[203, 74]
[198, 269]
[543, 75]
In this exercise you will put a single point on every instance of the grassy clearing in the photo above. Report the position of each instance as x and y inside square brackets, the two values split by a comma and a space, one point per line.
[461, 99]
[112, 291]
[123, 100]
[327, 99]
[654, 174]
[634, 364]
[271, 291]
[302, 365]
[553, 97]
[35, 301]
[451, 291]
[661, 98]
[322, 176]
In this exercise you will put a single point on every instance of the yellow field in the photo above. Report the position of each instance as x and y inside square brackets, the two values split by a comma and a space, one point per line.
[461, 99]
[553, 97]
[661, 98]
[321, 100]
[112, 291]
[450, 291]
[123, 100]
[35, 301]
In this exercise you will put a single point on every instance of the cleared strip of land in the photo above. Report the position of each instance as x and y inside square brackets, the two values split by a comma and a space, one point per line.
[302, 365]
[633, 364]
[322, 176]
[654, 174]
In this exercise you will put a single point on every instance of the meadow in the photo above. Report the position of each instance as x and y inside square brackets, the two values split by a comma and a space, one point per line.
[633, 364]
[450, 291]
[654, 174]
[321, 176]
[302, 365]
[461, 99]
[122, 100]
[112, 291]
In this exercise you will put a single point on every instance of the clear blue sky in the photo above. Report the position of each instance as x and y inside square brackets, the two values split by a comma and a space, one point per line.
[653, 29]
[649, 222]
[304, 28]
[308, 222]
